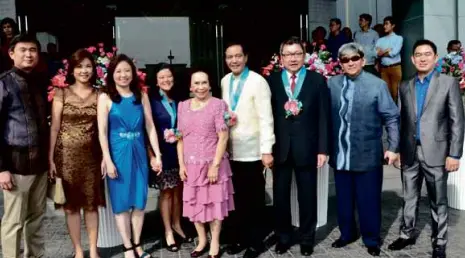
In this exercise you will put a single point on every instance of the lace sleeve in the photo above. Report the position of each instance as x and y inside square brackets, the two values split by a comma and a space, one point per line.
[220, 123]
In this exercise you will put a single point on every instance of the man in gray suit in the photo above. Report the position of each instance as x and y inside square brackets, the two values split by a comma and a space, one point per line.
[432, 133]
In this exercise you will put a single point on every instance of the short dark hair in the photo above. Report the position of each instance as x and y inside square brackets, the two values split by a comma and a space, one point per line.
[111, 85]
[13, 25]
[390, 19]
[76, 58]
[291, 41]
[335, 20]
[453, 42]
[24, 38]
[425, 42]
[154, 92]
[245, 50]
[367, 17]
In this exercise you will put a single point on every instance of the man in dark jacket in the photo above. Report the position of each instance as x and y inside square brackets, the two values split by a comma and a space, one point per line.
[23, 150]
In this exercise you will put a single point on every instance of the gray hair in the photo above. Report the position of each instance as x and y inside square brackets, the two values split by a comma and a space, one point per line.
[350, 49]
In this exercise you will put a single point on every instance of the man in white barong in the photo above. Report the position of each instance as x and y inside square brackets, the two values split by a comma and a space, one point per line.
[252, 137]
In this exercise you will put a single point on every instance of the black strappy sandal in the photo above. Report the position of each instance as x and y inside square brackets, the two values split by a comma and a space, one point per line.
[127, 249]
[144, 254]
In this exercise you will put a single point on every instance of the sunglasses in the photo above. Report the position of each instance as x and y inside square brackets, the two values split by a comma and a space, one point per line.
[345, 60]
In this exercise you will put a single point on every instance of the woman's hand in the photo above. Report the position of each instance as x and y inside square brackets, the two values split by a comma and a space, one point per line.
[183, 173]
[103, 169]
[213, 174]
[52, 170]
[155, 164]
[111, 169]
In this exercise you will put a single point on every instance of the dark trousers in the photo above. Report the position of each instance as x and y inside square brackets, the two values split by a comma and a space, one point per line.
[361, 190]
[245, 223]
[436, 186]
[306, 178]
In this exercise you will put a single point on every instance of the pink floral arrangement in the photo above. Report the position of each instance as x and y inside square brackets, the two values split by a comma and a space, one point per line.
[453, 64]
[102, 61]
[319, 61]
[230, 118]
[292, 107]
[172, 135]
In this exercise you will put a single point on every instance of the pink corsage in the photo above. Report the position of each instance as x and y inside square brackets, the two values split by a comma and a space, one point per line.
[293, 107]
[172, 135]
[230, 118]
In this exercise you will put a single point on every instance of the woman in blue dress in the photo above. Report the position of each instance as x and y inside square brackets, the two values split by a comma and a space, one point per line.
[164, 110]
[124, 116]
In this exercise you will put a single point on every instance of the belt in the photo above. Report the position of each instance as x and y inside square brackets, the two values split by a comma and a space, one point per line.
[391, 65]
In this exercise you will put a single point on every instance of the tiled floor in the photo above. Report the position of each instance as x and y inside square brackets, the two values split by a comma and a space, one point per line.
[59, 245]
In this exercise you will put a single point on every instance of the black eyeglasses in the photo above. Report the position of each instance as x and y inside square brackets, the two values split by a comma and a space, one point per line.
[345, 60]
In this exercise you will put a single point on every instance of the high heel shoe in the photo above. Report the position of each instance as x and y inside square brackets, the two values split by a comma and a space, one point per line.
[127, 249]
[173, 247]
[181, 239]
[144, 254]
[196, 254]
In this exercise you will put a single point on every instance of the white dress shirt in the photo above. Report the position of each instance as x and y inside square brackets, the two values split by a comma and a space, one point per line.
[253, 134]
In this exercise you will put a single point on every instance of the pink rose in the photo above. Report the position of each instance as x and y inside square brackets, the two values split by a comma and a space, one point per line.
[115, 49]
[100, 44]
[100, 72]
[322, 47]
[64, 61]
[50, 96]
[328, 67]
[109, 55]
[452, 69]
[461, 65]
[59, 81]
[171, 139]
[91, 49]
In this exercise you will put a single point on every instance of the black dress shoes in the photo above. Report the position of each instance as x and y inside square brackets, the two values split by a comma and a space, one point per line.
[373, 250]
[439, 252]
[341, 243]
[401, 243]
[306, 250]
[281, 248]
[252, 253]
[233, 249]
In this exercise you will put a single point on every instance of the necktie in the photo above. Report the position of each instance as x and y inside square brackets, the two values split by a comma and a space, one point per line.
[293, 83]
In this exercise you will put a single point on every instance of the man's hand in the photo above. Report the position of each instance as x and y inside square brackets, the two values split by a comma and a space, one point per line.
[6, 180]
[321, 160]
[390, 157]
[452, 164]
[267, 160]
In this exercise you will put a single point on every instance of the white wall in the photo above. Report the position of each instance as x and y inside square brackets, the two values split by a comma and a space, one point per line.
[461, 20]
[440, 22]
[319, 14]
[7, 9]
[150, 39]
[321, 11]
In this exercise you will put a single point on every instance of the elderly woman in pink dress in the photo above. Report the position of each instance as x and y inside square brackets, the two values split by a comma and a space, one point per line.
[203, 163]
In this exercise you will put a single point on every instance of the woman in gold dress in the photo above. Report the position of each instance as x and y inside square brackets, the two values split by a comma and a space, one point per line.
[74, 150]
